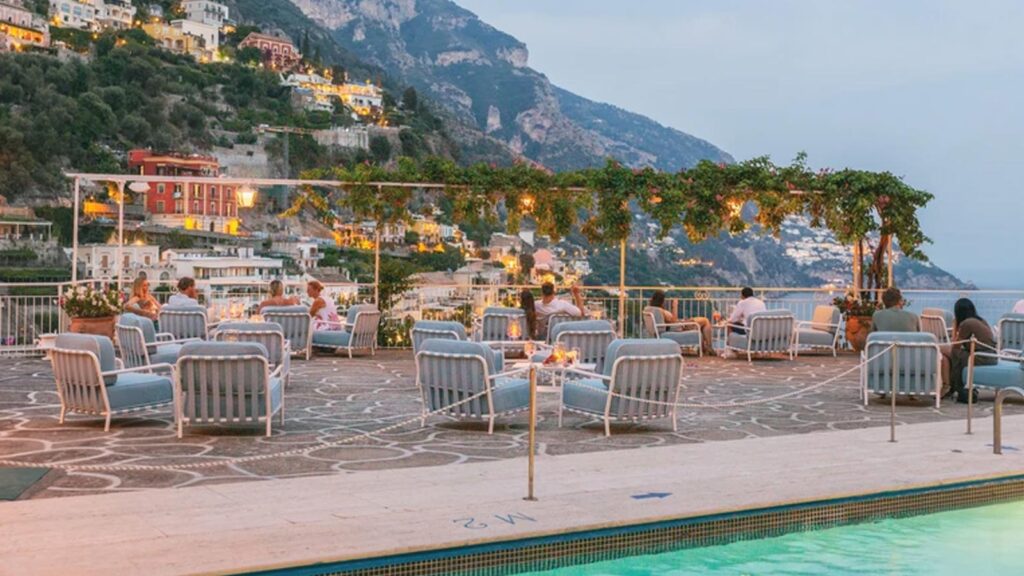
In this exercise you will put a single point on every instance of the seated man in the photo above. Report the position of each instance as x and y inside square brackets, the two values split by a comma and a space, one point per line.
[549, 305]
[187, 294]
[894, 318]
[747, 305]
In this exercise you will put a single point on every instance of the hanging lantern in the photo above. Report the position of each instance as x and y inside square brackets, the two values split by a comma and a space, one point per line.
[527, 203]
[245, 196]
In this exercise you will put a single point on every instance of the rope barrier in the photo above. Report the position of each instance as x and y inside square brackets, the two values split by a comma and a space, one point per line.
[238, 460]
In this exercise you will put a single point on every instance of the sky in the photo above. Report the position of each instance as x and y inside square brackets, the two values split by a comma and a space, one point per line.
[930, 90]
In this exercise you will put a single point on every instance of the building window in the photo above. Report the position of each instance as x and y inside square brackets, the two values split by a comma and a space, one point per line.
[160, 188]
[159, 206]
[147, 259]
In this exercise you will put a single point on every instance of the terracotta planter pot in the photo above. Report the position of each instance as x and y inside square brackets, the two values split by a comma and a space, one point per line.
[101, 326]
[857, 328]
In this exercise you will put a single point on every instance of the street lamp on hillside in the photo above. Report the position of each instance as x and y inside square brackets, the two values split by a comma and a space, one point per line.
[246, 196]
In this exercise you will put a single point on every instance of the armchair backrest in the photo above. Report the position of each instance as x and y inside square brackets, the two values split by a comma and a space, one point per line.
[553, 321]
[1011, 332]
[100, 346]
[590, 337]
[268, 334]
[424, 330]
[131, 341]
[223, 381]
[364, 327]
[79, 384]
[295, 323]
[494, 327]
[826, 318]
[935, 325]
[945, 314]
[142, 323]
[184, 321]
[448, 371]
[652, 317]
[647, 374]
[350, 315]
[917, 354]
[770, 331]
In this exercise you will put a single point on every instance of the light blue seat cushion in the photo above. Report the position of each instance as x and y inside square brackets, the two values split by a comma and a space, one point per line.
[331, 338]
[1005, 374]
[134, 390]
[809, 337]
[637, 347]
[509, 394]
[441, 326]
[493, 358]
[587, 394]
[136, 321]
[687, 338]
[165, 353]
[580, 326]
[101, 346]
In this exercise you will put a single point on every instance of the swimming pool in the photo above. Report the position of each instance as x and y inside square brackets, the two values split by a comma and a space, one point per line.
[976, 541]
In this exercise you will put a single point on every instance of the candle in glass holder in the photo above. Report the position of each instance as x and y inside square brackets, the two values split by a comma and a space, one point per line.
[514, 331]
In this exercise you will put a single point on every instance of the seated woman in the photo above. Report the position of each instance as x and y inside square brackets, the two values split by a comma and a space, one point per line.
[323, 310]
[277, 297]
[967, 324]
[526, 302]
[142, 302]
[658, 301]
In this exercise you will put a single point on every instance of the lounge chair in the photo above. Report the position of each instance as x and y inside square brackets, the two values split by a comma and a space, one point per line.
[424, 330]
[935, 324]
[553, 321]
[821, 333]
[590, 337]
[184, 322]
[226, 383]
[358, 332]
[1007, 373]
[142, 345]
[268, 334]
[494, 325]
[919, 359]
[296, 324]
[947, 319]
[1011, 333]
[640, 381]
[90, 380]
[448, 371]
[768, 332]
[686, 334]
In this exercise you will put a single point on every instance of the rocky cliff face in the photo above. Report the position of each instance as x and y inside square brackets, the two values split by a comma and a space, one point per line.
[482, 76]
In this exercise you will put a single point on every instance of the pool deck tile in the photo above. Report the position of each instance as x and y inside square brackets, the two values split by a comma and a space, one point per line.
[227, 528]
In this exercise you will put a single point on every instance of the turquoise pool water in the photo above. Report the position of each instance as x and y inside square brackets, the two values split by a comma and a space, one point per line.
[972, 542]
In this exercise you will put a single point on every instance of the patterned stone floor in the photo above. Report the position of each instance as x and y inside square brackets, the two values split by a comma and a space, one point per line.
[330, 399]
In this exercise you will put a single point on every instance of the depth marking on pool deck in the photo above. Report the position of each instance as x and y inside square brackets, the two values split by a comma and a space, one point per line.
[259, 526]
[472, 523]
[650, 495]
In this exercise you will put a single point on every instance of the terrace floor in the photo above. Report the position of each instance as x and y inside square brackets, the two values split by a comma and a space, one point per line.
[334, 398]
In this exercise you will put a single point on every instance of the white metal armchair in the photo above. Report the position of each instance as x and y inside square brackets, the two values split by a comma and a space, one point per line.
[821, 333]
[141, 345]
[686, 334]
[358, 332]
[768, 332]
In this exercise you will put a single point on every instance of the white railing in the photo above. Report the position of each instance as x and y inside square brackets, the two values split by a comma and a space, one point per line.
[28, 310]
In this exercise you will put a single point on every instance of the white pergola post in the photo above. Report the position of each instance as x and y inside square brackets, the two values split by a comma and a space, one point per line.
[376, 255]
[622, 287]
[120, 235]
[74, 233]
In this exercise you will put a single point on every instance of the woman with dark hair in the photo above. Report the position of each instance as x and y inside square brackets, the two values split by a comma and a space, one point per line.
[967, 324]
[526, 302]
[658, 303]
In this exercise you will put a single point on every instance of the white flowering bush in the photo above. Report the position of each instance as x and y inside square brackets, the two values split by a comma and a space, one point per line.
[90, 302]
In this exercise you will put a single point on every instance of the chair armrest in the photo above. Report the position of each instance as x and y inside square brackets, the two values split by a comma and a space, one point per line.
[587, 373]
[119, 363]
[1016, 357]
[344, 326]
[508, 373]
[150, 368]
[803, 323]
[681, 324]
[279, 371]
[164, 337]
[181, 341]
[731, 325]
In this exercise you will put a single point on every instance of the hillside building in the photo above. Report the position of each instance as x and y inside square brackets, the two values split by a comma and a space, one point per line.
[206, 12]
[207, 207]
[19, 27]
[278, 53]
[92, 14]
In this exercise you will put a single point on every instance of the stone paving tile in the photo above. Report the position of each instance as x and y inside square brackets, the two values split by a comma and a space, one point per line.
[331, 399]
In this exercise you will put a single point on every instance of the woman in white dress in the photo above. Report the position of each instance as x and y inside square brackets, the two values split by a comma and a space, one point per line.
[323, 310]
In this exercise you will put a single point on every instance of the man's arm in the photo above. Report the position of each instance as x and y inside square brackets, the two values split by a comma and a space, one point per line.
[737, 313]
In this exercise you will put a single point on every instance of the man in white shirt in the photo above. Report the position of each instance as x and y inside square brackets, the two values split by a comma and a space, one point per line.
[187, 294]
[548, 304]
[747, 305]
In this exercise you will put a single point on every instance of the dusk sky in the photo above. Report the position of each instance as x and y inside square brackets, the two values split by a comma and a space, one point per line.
[929, 90]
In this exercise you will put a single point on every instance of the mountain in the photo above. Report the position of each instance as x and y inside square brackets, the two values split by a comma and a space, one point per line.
[482, 76]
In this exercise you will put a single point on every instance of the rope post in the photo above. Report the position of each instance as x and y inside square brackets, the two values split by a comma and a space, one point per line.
[997, 423]
[622, 287]
[376, 254]
[74, 233]
[892, 399]
[970, 386]
[533, 434]
[120, 236]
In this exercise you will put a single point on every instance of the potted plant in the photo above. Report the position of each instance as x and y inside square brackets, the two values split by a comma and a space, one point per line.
[858, 315]
[92, 310]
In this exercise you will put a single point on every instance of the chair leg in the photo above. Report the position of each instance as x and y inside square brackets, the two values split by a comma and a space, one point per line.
[490, 425]
[559, 414]
[675, 420]
[180, 431]
[270, 420]
[106, 426]
[63, 411]
[607, 427]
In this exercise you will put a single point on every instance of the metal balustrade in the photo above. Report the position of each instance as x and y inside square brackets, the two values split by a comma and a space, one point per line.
[28, 310]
